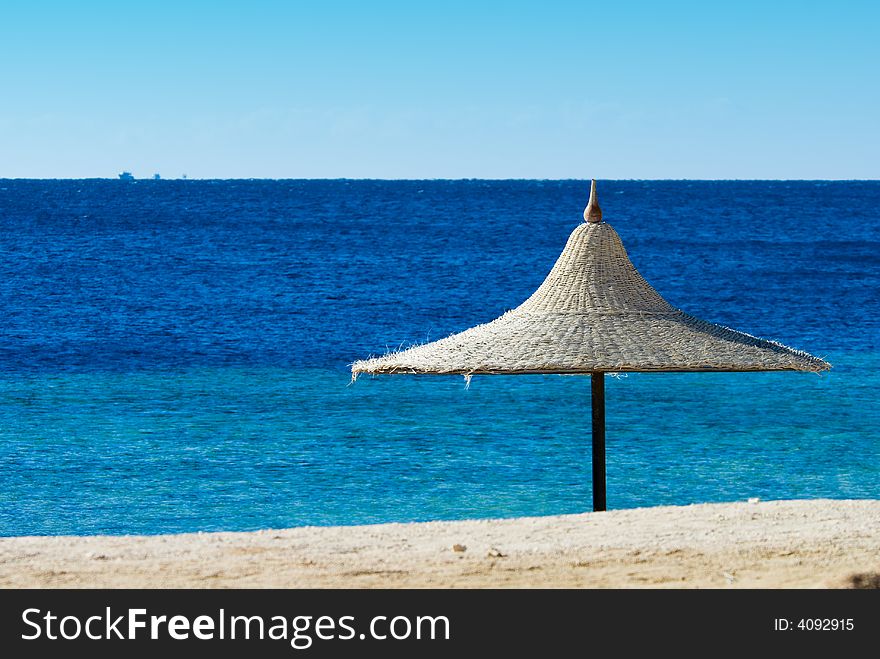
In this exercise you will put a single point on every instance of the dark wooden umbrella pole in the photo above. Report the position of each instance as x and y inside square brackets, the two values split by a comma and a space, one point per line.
[597, 379]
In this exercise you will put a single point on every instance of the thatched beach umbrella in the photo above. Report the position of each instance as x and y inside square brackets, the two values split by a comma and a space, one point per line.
[593, 314]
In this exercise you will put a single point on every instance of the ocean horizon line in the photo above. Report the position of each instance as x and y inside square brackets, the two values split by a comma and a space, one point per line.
[443, 179]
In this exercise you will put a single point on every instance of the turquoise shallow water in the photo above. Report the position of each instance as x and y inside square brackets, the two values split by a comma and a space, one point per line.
[173, 354]
[239, 448]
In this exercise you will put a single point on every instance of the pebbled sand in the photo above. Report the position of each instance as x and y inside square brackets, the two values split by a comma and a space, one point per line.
[817, 543]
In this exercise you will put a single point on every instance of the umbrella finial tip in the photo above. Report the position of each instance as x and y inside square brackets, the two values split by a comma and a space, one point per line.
[592, 213]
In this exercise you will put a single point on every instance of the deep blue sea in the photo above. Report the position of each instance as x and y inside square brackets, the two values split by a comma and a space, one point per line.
[174, 354]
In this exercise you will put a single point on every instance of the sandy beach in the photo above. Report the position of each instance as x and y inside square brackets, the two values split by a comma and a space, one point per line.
[817, 543]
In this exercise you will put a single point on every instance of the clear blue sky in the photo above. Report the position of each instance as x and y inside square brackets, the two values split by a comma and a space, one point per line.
[548, 89]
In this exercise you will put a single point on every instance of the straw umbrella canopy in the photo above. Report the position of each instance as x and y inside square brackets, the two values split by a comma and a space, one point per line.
[593, 314]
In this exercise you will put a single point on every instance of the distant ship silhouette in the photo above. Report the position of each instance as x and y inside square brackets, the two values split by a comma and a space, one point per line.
[126, 176]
